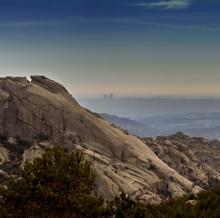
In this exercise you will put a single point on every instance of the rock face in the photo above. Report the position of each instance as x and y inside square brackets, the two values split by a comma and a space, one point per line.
[39, 113]
[180, 152]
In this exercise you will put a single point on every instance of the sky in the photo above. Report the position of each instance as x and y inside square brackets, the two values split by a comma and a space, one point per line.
[127, 47]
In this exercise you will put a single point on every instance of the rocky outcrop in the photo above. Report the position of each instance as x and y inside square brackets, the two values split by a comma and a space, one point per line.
[181, 153]
[39, 113]
[49, 85]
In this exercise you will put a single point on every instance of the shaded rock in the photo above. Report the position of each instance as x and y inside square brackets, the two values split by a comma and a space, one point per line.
[3, 155]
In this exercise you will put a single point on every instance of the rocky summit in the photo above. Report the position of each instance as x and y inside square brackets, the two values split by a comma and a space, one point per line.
[39, 113]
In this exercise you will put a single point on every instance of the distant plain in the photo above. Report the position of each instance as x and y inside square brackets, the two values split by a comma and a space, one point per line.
[163, 116]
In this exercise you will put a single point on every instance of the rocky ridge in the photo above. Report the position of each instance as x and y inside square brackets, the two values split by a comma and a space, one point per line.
[180, 152]
[40, 113]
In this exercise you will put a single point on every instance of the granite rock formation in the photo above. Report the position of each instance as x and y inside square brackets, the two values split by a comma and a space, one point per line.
[40, 113]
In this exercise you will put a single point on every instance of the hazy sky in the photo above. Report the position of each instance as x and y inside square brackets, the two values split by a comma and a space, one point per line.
[120, 46]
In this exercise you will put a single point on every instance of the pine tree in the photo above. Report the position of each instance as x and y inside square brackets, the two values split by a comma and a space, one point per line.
[54, 185]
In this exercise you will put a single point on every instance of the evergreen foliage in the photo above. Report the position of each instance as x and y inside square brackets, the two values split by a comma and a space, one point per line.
[54, 185]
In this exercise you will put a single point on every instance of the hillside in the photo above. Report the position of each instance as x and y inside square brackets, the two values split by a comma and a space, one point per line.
[40, 113]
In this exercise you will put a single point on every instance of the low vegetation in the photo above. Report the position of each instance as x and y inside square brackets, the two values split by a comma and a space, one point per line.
[61, 185]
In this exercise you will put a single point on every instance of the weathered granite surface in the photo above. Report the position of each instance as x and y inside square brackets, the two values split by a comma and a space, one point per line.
[39, 113]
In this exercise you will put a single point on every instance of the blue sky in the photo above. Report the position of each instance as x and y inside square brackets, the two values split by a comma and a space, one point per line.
[149, 47]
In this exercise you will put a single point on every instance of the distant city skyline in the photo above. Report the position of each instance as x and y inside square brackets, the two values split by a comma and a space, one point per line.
[127, 47]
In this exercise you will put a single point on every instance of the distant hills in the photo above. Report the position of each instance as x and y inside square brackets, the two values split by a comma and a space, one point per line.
[132, 126]
[194, 124]
[195, 116]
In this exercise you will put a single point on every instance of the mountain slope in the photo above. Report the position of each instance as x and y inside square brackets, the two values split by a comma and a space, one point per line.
[39, 113]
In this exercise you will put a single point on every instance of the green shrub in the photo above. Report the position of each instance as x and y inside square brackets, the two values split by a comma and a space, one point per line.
[54, 185]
